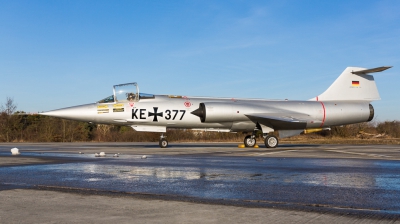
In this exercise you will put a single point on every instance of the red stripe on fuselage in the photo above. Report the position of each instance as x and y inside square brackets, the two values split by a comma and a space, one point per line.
[323, 120]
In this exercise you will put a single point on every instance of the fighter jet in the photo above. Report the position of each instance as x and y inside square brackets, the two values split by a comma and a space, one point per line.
[346, 101]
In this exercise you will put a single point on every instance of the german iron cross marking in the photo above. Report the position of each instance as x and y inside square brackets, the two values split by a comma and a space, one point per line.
[155, 114]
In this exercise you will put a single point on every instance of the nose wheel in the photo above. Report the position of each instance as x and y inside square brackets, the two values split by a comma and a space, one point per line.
[163, 143]
[271, 141]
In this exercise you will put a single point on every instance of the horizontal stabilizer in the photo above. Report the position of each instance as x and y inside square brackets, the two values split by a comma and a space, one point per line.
[371, 70]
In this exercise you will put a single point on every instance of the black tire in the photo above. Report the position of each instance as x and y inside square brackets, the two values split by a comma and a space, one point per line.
[271, 141]
[163, 143]
[249, 142]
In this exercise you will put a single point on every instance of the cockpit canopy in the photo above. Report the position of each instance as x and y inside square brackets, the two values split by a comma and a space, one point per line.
[128, 92]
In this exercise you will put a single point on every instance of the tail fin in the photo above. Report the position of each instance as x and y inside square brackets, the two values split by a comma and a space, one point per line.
[353, 84]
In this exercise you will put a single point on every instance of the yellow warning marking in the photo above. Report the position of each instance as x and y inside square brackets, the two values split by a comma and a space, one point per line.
[102, 107]
[118, 109]
[103, 111]
[118, 105]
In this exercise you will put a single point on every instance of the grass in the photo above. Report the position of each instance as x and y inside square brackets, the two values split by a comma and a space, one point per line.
[337, 140]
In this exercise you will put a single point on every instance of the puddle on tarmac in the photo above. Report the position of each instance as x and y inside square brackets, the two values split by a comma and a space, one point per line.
[340, 182]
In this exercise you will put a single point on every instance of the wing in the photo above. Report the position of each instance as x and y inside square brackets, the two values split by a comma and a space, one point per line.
[282, 121]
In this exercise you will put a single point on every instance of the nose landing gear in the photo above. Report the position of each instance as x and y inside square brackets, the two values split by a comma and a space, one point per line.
[163, 143]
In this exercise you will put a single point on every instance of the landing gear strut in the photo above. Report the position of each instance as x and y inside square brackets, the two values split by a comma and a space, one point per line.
[163, 143]
[271, 141]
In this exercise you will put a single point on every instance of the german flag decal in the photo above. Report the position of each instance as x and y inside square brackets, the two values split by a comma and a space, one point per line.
[355, 83]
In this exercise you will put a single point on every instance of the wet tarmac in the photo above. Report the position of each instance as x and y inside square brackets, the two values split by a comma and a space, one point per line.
[340, 179]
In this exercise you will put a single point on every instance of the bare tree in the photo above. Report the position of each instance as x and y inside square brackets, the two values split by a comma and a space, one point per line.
[104, 131]
[9, 107]
[10, 124]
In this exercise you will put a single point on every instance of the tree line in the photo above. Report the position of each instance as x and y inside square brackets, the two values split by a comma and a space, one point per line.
[17, 126]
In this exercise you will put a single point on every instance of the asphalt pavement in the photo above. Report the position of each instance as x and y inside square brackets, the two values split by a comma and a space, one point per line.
[291, 183]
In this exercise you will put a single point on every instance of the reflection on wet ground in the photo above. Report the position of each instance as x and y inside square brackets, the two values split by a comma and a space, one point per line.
[338, 183]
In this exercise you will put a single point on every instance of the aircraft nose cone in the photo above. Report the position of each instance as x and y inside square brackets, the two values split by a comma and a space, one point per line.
[82, 113]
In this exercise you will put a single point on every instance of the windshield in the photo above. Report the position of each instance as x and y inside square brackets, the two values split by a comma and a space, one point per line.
[109, 99]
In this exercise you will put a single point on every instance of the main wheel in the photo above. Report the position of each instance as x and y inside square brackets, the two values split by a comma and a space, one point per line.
[271, 141]
[249, 141]
[163, 143]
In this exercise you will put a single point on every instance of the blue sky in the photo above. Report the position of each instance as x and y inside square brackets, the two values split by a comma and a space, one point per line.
[55, 54]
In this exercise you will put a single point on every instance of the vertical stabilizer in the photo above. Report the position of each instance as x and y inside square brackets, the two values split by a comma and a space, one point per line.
[353, 84]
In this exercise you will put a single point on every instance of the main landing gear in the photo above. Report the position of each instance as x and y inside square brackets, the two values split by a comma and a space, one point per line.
[163, 143]
[250, 140]
[270, 141]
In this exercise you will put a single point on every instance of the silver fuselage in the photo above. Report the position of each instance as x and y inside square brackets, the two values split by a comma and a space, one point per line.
[221, 113]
